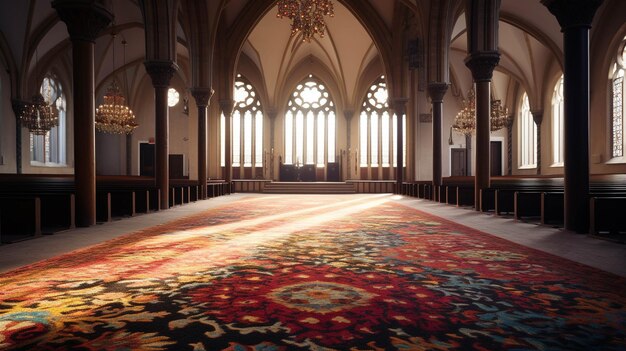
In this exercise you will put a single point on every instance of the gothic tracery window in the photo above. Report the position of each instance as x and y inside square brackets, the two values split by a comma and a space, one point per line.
[310, 125]
[247, 127]
[527, 136]
[617, 102]
[50, 148]
[558, 120]
[378, 129]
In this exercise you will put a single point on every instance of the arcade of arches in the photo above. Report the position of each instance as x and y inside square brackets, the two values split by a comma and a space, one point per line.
[381, 88]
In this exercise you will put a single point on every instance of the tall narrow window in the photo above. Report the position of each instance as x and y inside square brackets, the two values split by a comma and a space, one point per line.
[363, 138]
[50, 148]
[247, 127]
[378, 129]
[527, 136]
[617, 110]
[313, 138]
[320, 139]
[557, 123]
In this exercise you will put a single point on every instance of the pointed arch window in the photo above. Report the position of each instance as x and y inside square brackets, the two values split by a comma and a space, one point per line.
[558, 119]
[378, 129]
[527, 136]
[50, 149]
[310, 125]
[247, 127]
[617, 102]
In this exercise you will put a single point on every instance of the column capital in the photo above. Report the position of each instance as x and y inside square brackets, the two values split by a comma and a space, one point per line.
[202, 96]
[537, 116]
[85, 19]
[482, 63]
[348, 114]
[437, 90]
[271, 113]
[161, 72]
[573, 13]
[399, 105]
[227, 106]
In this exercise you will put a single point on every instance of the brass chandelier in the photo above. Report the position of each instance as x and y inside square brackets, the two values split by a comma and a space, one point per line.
[114, 116]
[465, 120]
[307, 16]
[39, 116]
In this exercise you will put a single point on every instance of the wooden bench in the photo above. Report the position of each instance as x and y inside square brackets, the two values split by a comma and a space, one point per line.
[55, 194]
[458, 191]
[20, 218]
[125, 196]
[607, 215]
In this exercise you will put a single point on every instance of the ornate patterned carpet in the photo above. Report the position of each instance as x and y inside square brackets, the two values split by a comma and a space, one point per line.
[311, 273]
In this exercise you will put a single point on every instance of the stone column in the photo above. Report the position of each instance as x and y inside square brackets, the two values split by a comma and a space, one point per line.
[18, 108]
[575, 17]
[271, 113]
[482, 64]
[399, 106]
[436, 91]
[227, 107]
[348, 116]
[538, 118]
[84, 20]
[202, 97]
[161, 73]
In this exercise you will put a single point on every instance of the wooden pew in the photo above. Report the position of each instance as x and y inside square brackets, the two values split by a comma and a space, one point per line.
[607, 215]
[20, 218]
[55, 194]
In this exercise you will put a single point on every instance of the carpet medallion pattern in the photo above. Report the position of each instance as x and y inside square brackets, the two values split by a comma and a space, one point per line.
[311, 273]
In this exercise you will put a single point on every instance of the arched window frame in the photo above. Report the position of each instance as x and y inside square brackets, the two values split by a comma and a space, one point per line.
[310, 125]
[617, 109]
[527, 133]
[558, 120]
[247, 127]
[378, 129]
[50, 149]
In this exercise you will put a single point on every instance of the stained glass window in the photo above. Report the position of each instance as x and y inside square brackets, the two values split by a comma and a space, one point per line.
[310, 139]
[617, 102]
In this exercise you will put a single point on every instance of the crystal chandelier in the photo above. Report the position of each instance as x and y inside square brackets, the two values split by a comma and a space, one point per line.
[307, 16]
[38, 116]
[114, 116]
[465, 120]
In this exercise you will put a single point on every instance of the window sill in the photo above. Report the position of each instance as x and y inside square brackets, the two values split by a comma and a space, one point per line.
[528, 167]
[48, 165]
[616, 160]
[559, 164]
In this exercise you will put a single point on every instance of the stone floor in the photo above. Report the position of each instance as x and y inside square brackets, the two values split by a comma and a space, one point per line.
[605, 255]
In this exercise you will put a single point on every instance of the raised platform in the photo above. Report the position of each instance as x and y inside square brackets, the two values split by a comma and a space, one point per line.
[309, 188]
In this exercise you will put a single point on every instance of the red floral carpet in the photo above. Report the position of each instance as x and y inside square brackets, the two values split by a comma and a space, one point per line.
[311, 273]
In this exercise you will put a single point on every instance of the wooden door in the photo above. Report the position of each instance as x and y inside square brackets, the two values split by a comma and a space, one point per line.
[457, 162]
[146, 159]
[496, 158]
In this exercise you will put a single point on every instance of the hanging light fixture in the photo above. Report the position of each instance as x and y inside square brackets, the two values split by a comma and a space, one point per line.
[39, 116]
[307, 16]
[499, 115]
[465, 120]
[114, 116]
